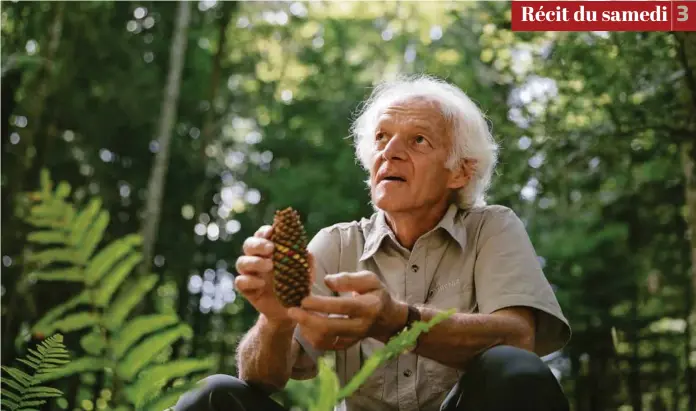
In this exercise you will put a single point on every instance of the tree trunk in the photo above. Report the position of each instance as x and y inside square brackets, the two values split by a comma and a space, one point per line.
[156, 183]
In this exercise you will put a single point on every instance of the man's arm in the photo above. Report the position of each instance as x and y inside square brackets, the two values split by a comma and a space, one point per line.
[267, 353]
[455, 341]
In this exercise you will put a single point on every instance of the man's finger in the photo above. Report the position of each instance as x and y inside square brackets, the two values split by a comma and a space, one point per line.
[361, 282]
[327, 325]
[258, 246]
[350, 306]
[248, 284]
[251, 264]
[264, 232]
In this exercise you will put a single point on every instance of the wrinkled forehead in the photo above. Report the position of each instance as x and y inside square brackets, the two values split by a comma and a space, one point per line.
[414, 111]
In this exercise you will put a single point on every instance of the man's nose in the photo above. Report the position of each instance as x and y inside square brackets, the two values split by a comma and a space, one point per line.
[395, 149]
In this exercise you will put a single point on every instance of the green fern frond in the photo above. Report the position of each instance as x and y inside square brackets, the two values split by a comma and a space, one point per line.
[63, 190]
[48, 237]
[45, 182]
[77, 321]
[93, 237]
[328, 386]
[71, 274]
[78, 366]
[126, 347]
[47, 324]
[84, 220]
[137, 329]
[105, 259]
[114, 279]
[21, 391]
[49, 210]
[20, 376]
[93, 343]
[127, 298]
[145, 352]
[397, 345]
[54, 255]
[151, 381]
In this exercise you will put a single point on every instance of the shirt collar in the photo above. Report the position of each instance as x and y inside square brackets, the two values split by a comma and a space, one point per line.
[377, 229]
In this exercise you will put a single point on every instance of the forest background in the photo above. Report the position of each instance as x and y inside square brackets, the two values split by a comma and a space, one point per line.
[169, 132]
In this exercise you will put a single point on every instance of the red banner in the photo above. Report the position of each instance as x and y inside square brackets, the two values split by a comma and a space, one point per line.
[677, 15]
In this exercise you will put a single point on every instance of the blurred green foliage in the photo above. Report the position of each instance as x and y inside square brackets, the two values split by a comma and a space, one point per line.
[596, 132]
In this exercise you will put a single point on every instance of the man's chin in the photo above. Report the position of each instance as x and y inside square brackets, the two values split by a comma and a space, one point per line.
[390, 204]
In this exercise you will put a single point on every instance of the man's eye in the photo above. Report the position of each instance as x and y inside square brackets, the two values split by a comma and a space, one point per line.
[420, 139]
[379, 136]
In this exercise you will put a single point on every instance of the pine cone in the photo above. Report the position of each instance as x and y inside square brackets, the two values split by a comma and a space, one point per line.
[291, 281]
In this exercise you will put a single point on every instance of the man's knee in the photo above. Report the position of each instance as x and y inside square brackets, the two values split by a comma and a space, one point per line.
[209, 391]
[513, 365]
[528, 382]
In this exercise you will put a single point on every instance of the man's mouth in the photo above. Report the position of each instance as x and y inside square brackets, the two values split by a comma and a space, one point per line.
[393, 178]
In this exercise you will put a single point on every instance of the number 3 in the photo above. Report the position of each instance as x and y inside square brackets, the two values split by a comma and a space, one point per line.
[683, 13]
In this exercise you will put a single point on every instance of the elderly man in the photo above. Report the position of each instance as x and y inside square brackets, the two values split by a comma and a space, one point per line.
[432, 245]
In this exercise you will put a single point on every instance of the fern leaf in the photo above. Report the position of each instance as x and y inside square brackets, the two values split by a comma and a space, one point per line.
[46, 324]
[147, 350]
[113, 280]
[94, 343]
[93, 237]
[12, 396]
[30, 363]
[42, 392]
[48, 237]
[47, 356]
[83, 220]
[52, 355]
[102, 262]
[397, 345]
[152, 380]
[40, 222]
[137, 329]
[328, 387]
[53, 255]
[48, 210]
[10, 404]
[128, 297]
[77, 321]
[18, 375]
[71, 274]
[30, 403]
[11, 383]
[79, 366]
[46, 183]
[63, 190]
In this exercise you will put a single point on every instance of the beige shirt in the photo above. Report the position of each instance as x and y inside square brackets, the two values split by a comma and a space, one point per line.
[477, 261]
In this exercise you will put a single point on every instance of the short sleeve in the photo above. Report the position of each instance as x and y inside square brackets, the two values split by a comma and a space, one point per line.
[508, 273]
[325, 248]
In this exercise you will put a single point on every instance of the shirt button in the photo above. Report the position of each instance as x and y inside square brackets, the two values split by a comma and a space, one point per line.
[414, 268]
[407, 373]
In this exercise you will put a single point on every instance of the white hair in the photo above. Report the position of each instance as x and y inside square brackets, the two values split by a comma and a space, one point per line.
[472, 137]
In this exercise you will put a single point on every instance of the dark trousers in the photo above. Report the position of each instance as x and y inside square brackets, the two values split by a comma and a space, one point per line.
[502, 378]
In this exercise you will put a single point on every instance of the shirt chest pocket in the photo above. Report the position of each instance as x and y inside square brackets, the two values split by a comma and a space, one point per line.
[457, 293]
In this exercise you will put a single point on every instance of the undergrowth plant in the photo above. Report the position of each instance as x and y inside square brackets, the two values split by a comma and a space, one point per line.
[327, 390]
[133, 351]
[21, 390]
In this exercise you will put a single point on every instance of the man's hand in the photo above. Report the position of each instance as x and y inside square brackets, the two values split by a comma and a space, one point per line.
[336, 323]
[255, 279]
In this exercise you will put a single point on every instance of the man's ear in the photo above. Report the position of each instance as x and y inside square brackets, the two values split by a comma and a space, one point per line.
[461, 176]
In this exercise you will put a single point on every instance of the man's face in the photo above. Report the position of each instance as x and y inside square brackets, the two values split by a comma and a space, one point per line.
[411, 145]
